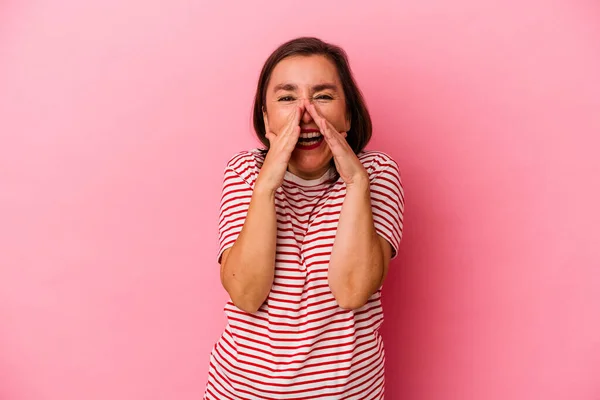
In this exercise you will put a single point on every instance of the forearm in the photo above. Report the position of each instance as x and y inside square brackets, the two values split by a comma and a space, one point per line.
[356, 267]
[248, 271]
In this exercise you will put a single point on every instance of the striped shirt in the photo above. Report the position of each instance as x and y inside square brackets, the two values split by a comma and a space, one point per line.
[300, 344]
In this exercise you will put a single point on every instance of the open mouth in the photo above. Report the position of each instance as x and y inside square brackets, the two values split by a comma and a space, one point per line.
[309, 140]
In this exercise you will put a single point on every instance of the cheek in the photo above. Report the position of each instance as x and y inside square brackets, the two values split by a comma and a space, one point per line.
[278, 117]
[333, 113]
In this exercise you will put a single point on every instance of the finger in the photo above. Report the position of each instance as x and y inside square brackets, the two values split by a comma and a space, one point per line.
[291, 132]
[327, 129]
[298, 118]
[332, 140]
[294, 122]
[314, 113]
[334, 131]
[290, 140]
[296, 115]
[336, 140]
[340, 136]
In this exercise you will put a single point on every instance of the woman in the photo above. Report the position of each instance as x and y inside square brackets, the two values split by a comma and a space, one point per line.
[307, 230]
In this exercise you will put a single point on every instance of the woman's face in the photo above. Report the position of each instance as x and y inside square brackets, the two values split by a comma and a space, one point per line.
[314, 78]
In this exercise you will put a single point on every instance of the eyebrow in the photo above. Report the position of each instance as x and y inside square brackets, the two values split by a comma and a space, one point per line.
[317, 88]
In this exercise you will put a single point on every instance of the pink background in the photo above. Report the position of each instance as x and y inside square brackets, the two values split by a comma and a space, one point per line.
[117, 118]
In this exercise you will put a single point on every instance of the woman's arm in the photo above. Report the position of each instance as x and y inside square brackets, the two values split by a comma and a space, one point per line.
[360, 257]
[248, 267]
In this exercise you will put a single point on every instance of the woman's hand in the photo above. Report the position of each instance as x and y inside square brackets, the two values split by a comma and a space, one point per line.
[347, 163]
[281, 147]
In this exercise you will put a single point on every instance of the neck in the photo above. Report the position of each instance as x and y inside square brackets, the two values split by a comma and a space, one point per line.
[308, 175]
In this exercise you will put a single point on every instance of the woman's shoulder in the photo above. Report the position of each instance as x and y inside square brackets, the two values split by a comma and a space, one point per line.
[247, 159]
[377, 161]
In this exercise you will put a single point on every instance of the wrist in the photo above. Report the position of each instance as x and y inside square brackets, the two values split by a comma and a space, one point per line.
[263, 189]
[360, 183]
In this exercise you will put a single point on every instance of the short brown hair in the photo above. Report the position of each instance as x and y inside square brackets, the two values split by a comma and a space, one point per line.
[360, 128]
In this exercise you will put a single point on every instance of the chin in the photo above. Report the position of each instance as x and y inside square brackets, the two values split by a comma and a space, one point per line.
[311, 163]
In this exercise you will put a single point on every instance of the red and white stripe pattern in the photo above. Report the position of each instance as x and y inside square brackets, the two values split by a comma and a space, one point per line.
[300, 344]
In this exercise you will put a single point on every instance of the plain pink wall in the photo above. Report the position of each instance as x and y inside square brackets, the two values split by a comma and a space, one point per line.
[116, 120]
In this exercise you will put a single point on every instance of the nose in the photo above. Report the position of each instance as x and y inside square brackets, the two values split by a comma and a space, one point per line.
[306, 117]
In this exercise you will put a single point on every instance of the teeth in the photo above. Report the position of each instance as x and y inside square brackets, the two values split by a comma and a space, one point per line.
[310, 135]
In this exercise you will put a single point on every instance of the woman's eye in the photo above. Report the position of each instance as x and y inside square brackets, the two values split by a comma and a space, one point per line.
[324, 97]
[286, 98]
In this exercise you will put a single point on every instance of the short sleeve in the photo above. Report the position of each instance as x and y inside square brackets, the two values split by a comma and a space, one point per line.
[236, 194]
[387, 202]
